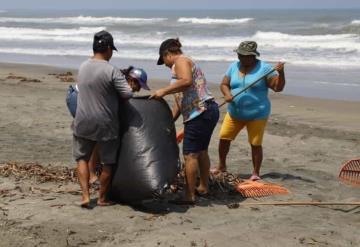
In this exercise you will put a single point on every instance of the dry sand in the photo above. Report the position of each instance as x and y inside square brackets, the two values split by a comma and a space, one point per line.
[306, 142]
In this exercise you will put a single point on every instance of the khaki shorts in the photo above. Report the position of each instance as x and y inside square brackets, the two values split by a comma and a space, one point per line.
[108, 150]
[232, 126]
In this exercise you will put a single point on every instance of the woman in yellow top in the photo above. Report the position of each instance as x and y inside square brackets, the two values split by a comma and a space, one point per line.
[251, 108]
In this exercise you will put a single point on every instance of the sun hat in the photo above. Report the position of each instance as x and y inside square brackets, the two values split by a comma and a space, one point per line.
[103, 40]
[140, 75]
[247, 48]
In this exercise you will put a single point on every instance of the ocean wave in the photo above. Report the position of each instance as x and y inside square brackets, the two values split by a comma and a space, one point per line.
[337, 83]
[355, 22]
[82, 34]
[77, 35]
[151, 54]
[84, 20]
[213, 21]
[338, 42]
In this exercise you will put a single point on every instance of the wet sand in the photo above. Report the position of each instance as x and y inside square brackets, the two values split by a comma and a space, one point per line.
[306, 142]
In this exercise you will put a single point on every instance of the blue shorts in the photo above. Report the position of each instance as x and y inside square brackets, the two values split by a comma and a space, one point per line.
[198, 131]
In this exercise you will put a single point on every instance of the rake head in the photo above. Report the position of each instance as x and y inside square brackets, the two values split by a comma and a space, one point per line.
[258, 189]
[350, 172]
[180, 136]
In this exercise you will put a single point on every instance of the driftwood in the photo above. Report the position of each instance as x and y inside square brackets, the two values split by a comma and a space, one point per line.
[37, 172]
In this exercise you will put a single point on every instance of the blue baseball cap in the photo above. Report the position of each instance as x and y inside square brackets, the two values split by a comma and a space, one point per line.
[140, 75]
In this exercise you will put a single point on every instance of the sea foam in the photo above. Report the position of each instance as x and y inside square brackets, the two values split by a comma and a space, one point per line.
[84, 20]
[213, 21]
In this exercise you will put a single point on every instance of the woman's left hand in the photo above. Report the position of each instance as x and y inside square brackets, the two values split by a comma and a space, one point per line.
[158, 94]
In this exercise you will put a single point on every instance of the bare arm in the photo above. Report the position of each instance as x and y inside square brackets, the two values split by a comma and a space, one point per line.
[176, 108]
[183, 70]
[277, 83]
[225, 89]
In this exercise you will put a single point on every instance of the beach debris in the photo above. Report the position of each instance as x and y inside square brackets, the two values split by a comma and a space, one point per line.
[233, 205]
[350, 172]
[6, 193]
[21, 78]
[64, 77]
[38, 172]
[260, 189]
[228, 182]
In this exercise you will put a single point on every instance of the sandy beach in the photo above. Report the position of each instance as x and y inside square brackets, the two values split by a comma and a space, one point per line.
[306, 142]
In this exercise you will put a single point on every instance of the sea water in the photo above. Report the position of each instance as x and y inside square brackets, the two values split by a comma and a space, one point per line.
[321, 48]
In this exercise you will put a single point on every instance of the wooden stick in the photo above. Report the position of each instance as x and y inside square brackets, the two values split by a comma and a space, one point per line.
[300, 203]
[249, 86]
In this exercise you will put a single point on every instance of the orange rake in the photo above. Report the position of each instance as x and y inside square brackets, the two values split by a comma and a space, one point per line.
[350, 172]
[250, 188]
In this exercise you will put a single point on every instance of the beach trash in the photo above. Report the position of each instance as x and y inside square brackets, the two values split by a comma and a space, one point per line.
[350, 172]
[252, 189]
[149, 155]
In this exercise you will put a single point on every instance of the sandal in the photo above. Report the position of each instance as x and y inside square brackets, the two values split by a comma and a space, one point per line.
[202, 194]
[254, 178]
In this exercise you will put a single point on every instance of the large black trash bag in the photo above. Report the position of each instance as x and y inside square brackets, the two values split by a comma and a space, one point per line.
[149, 155]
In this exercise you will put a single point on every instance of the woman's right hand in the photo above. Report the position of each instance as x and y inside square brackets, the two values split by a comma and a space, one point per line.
[228, 98]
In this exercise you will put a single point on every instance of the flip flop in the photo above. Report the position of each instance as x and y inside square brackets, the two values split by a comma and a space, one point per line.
[182, 202]
[254, 178]
[85, 205]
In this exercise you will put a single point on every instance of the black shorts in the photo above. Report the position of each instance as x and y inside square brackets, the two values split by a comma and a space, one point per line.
[108, 150]
[198, 131]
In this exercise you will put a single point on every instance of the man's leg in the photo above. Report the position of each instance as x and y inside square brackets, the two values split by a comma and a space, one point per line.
[191, 169]
[94, 159]
[83, 176]
[82, 149]
[257, 157]
[105, 179]
[204, 165]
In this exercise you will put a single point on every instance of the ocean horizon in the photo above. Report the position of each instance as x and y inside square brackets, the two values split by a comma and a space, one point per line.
[321, 48]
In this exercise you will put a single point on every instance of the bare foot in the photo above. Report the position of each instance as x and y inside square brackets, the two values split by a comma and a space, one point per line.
[85, 202]
[217, 170]
[93, 179]
[105, 203]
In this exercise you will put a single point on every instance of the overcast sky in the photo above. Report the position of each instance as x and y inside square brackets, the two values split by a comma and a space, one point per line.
[171, 4]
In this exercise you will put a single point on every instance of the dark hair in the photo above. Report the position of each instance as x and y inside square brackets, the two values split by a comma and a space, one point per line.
[126, 72]
[173, 47]
[100, 49]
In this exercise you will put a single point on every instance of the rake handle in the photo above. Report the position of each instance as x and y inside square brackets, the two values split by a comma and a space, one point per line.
[237, 94]
[300, 203]
[249, 86]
